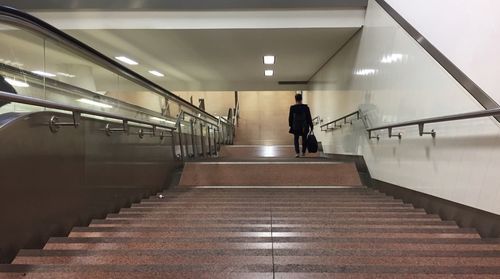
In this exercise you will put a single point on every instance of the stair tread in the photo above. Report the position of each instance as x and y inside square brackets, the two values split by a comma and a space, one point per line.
[263, 252]
[231, 267]
[251, 233]
[366, 241]
[268, 228]
[134, 259]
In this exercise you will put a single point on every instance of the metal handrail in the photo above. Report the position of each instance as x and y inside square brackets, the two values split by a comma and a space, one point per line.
[54, 84]
[77, 111]
[316, 120]
[421, 122]
[182, 113]
[341, 119]
[19, 18]
[236, 114]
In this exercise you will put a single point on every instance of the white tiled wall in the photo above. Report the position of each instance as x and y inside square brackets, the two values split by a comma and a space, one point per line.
[458, 165]
[467, 32]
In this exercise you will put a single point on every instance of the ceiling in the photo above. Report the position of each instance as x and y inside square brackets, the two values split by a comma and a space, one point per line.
[181, 5]
[228, 59]
[202, 50]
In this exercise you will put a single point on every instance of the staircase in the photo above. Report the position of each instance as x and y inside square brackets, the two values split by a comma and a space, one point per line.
[266, 226]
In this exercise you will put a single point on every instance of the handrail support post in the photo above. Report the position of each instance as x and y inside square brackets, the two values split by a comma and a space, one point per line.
[375, 137]
[421, 131]
[142, 133]
[179, 132]
[399, 135]
[109, 130]
[54, 125]
[193, 139]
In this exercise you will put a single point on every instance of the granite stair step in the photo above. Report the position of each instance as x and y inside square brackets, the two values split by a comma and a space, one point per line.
[264, 233]
[183, 259]
[231, 236]
[278, 217]
[290, 220]
[246, 203]
[143, 268]
[268, 228]
[322, 275]
[200, 174]
[285, 207]
[258, 223]
[264, 252]
[332, 268]
[349, 244]
[281, 238]
[275, 211]
[24, 273]
[244, 260]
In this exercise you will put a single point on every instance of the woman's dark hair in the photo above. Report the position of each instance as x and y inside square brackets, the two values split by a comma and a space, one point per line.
[298, 97]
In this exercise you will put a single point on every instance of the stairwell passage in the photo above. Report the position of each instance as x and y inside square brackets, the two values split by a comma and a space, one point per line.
[208, 230]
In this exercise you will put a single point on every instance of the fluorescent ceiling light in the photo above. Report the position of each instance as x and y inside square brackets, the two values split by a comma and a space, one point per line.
[94, 103]
[126, 60]
[395, 57]
[44, 74]
[156, 73]
[269, 59]
[66, 75]
[268, 73]
[16, 83]
[365, 72]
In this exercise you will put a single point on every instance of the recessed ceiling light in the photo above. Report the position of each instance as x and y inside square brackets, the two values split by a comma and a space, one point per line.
[16, 83]
[126, 60]
[94, 103]
[42, 73]
[66, 75]
[268, 73]
[395, 57]
[365, 72]
[269, 59]
[156, 73]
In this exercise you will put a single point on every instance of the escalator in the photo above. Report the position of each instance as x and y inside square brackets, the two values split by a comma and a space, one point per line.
[74, 143]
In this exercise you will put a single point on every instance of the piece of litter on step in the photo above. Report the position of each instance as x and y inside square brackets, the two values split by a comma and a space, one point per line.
[161, 196]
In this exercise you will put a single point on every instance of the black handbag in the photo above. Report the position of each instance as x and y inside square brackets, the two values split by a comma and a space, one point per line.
[312, 143]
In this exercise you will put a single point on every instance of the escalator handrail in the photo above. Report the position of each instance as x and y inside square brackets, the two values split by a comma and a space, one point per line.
[9, 97]
[19, 18]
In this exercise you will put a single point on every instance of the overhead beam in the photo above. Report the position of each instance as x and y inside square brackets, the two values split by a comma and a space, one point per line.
[181, 5]
[343, 18]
